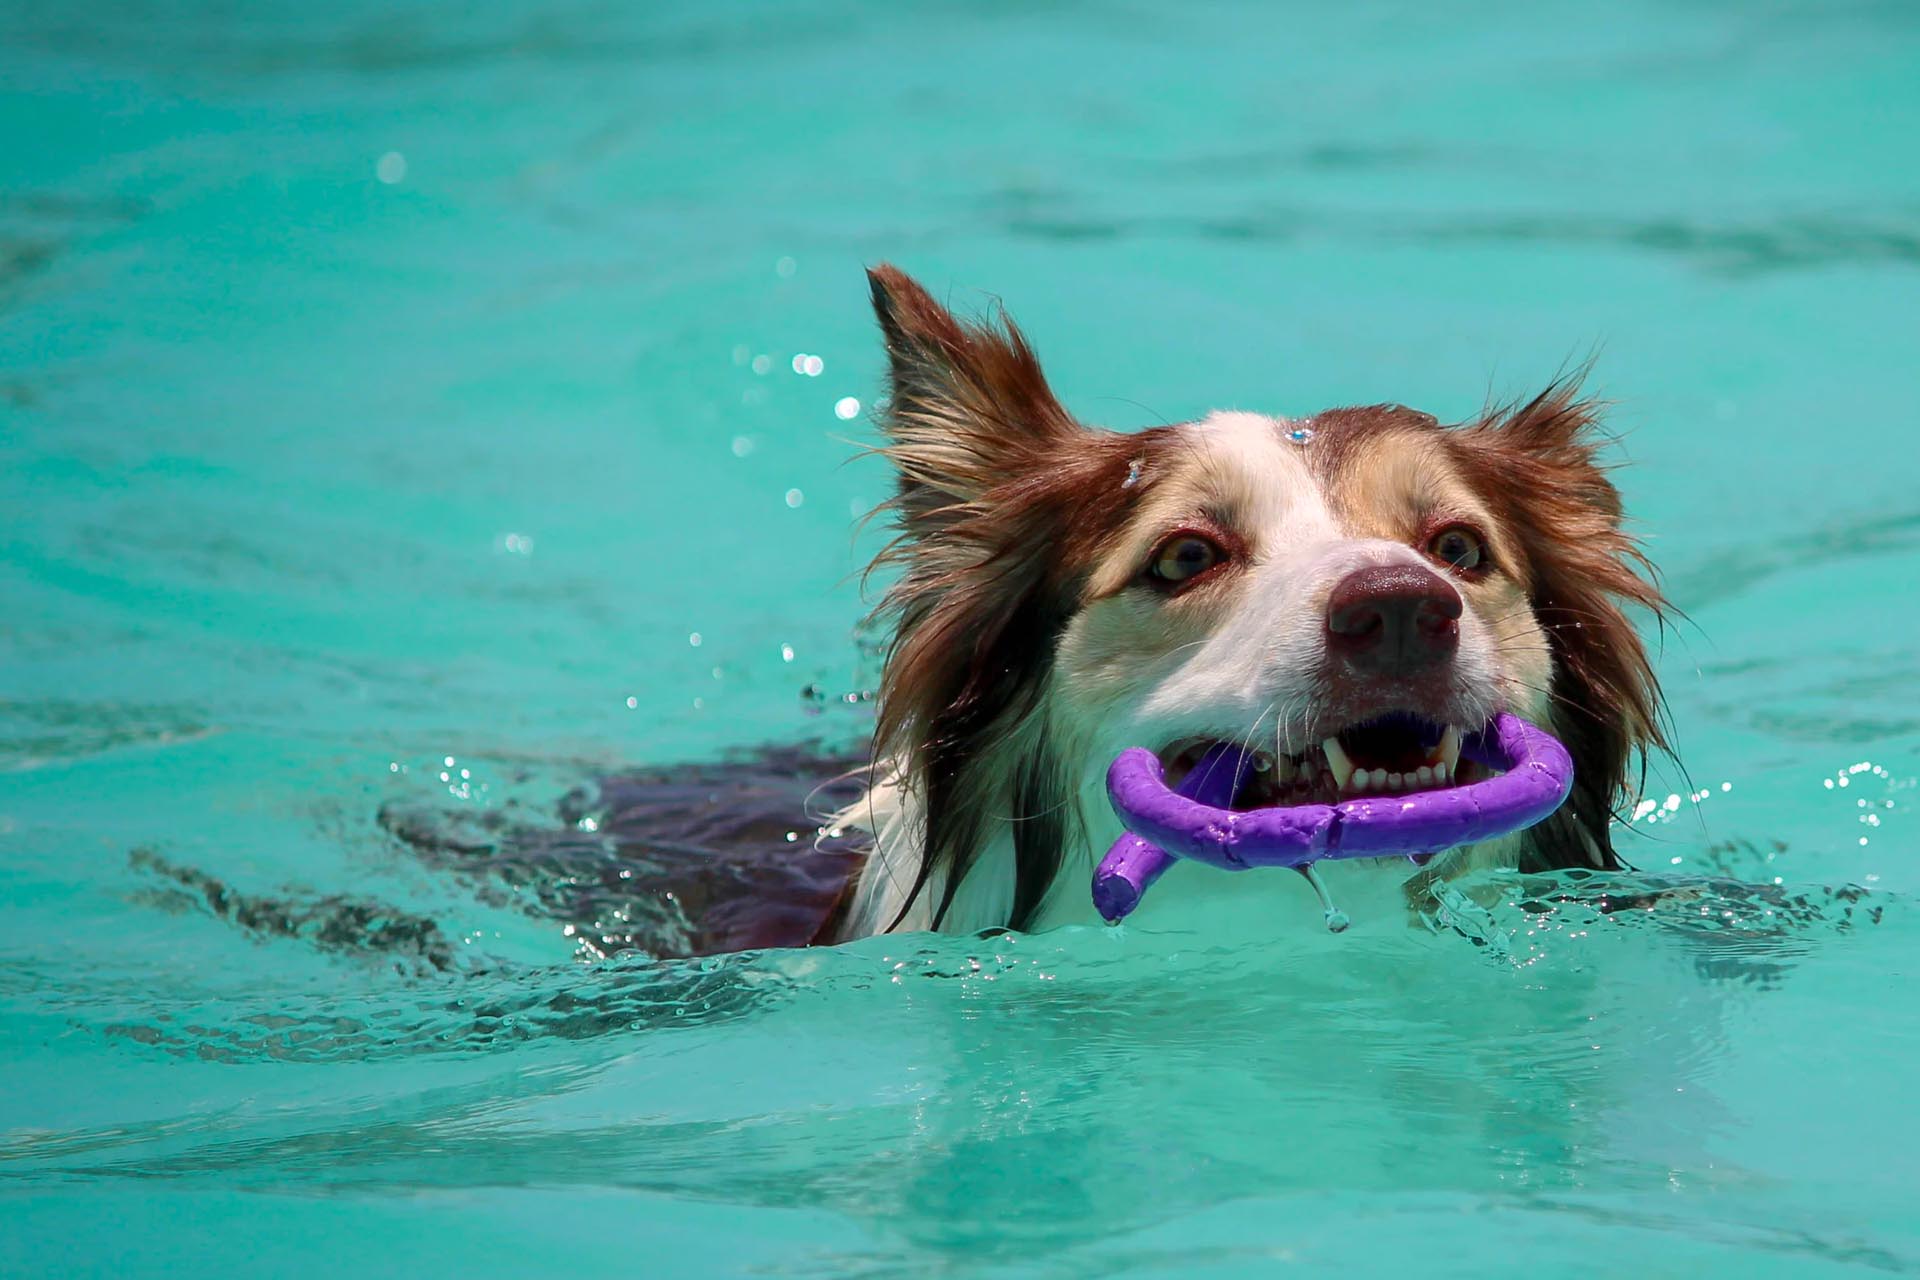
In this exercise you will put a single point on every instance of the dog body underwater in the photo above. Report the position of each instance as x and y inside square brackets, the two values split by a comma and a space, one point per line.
[1346, 592]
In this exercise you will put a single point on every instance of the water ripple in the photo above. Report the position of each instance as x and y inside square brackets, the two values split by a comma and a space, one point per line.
[1784, 243]
[39, 732]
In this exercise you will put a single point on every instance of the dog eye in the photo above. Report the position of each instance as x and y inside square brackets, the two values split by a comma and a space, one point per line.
[1184, 557]
[1458, 546]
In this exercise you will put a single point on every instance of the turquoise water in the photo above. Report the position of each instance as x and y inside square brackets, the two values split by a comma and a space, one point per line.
[382, 396]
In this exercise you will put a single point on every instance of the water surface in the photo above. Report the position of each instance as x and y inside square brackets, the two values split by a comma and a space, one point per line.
[402, 408]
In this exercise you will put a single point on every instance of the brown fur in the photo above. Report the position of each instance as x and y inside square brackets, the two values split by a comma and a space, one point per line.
[1004, 500]
[1536, 463]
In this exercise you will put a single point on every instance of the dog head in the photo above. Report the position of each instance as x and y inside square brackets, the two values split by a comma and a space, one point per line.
[1346, 592]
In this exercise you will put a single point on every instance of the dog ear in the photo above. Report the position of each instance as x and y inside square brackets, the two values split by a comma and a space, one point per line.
[1539, 462]
[969, 410]
[1003, 499]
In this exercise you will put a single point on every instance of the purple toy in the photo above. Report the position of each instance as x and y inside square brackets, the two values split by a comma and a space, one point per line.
[1193, 821]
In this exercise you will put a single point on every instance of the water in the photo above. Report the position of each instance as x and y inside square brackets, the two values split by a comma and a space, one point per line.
[379, 387]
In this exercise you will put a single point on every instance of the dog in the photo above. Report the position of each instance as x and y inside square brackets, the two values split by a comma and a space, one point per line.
[1347, 592]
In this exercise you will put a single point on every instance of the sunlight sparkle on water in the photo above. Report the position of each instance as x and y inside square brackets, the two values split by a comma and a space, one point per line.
[1651, 812]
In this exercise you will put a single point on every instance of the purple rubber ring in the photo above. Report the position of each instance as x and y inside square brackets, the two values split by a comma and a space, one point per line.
[1193, 821]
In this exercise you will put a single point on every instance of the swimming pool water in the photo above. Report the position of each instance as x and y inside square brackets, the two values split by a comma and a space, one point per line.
[413, 407]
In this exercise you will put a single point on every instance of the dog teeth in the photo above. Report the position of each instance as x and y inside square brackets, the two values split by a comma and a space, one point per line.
[1441, 769]
[1345, 776]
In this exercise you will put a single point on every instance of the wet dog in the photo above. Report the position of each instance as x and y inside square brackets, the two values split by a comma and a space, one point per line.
[1348, 591]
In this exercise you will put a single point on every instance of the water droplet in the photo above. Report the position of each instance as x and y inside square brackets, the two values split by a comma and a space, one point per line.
[391, 168]
[846, 407]
[1337, 920]
[795, 497]
[785, 267]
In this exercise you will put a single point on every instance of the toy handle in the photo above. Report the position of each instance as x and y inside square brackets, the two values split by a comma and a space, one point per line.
[1134, 863]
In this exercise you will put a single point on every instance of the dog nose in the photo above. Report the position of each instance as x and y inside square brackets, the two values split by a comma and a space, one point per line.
[1393, 619]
